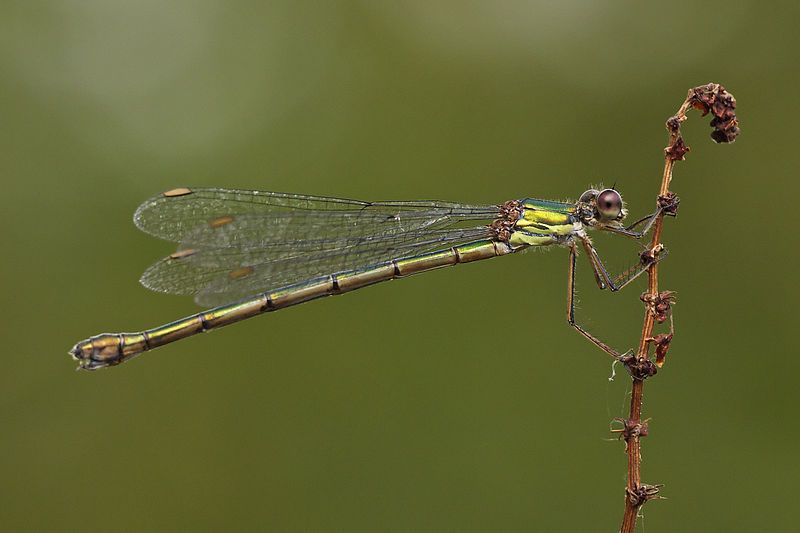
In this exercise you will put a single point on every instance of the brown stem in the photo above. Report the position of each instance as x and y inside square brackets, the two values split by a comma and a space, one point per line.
[707, 98]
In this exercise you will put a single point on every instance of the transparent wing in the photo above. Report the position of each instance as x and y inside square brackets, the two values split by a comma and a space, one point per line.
[235, 243]
[217, 218]
[221, 275]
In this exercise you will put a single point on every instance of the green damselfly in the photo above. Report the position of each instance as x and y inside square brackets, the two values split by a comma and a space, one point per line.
[266, 251]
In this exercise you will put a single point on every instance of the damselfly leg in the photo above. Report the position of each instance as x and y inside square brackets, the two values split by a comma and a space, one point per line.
[573, 254]
[630, 231]
[604, 279]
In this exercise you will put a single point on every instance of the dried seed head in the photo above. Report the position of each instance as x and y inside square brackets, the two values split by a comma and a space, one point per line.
[650, 256]
[642, 494]
[662, 342]
[639, 369]
[632, 428]
[659, 304]
[677, 150]
[669, 203]
[715, 99]
[673, 124]
[663, 305]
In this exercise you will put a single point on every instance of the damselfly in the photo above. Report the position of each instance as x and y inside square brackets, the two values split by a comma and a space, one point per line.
[266, 250]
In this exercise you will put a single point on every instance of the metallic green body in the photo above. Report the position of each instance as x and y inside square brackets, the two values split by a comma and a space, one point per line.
[110, 349]
[219, 219]
[544, 222]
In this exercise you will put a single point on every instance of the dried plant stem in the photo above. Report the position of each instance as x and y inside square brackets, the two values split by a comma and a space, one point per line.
[708, 98]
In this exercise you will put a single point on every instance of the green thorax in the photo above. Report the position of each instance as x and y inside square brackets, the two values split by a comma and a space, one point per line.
[544, 222]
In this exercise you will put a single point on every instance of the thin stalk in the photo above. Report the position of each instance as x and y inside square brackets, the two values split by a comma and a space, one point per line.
[707, 98]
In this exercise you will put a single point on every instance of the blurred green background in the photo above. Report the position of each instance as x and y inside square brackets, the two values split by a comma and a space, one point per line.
[455, 401]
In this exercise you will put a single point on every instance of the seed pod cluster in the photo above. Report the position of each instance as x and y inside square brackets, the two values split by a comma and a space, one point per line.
[713, 98]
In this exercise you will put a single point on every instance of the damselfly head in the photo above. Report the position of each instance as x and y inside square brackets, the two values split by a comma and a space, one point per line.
[606, 205]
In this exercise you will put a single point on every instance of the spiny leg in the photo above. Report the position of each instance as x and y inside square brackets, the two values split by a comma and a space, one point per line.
[604, 279]
[601, 276]
[571, 307]
[630, 231]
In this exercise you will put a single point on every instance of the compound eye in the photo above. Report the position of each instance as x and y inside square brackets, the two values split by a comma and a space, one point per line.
[589, 195]
[609, 204]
